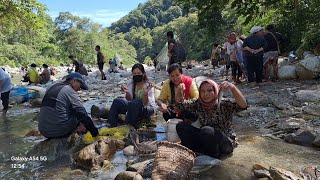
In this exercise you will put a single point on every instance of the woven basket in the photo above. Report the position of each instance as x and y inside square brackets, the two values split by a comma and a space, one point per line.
[172, 161]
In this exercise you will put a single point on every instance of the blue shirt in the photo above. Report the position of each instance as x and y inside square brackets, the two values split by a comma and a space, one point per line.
[5, 79]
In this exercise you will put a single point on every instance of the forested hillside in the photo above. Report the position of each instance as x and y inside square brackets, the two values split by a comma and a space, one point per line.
[28, 34]
[151, 14]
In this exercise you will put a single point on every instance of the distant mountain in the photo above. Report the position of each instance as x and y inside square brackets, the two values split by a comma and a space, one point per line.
[151, 14]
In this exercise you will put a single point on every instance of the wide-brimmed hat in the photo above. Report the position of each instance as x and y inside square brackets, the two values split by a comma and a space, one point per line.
[255, 29]
[78, 77]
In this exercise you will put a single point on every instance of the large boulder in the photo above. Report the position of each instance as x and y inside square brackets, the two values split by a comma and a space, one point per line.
[308, 54]
[58, 149]
[288, 72]
[308, 68]
[304, 73]
[312, 64]
[94, 154]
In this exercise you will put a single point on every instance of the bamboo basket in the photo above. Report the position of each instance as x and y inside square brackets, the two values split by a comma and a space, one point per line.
[172, 161]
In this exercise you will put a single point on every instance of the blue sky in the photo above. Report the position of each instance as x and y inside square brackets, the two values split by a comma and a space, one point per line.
[101, 11]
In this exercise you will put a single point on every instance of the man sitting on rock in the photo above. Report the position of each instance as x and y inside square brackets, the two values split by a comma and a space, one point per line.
[62, 112]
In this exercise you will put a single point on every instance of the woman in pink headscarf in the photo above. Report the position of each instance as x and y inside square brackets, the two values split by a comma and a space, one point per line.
[207, 128]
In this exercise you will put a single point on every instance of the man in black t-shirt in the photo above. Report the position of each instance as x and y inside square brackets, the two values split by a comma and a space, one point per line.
[271, 53]
[75, 63]
[176, 52]
[100, 62]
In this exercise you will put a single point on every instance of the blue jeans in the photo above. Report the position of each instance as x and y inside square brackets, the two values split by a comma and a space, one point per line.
[134, 109]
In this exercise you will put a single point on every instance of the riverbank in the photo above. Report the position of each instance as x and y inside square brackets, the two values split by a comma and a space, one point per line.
[276, 110]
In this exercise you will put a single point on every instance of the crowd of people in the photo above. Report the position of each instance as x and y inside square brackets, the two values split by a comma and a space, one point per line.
[253, 59]
[207, 126]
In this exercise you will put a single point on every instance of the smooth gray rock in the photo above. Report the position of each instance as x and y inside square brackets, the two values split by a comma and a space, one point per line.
[287, 72]
[58, 149]
[311, 109]
[311, 63]
[301, 137]
[128, 175]
[308, 95]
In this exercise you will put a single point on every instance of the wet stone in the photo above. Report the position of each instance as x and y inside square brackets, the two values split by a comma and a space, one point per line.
[282, 174]
[58, 149]
[94, 154]
[129, 175]
[129, 151]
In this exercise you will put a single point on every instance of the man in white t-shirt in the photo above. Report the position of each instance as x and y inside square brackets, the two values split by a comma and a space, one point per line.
[5, 88]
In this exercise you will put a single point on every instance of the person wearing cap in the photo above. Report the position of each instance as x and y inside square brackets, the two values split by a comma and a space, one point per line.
[254, 46]
[62, 112]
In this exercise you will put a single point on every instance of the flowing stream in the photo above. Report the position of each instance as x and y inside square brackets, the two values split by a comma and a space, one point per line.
[252, 149]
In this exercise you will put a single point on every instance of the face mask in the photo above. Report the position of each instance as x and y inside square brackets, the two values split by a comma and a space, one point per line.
[137, 78]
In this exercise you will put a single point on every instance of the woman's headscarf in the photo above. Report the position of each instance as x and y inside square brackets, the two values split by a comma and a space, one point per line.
[209, 106]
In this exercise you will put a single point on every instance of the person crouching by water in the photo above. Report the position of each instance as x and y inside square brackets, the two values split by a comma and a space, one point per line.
[176, 88]
[139, 99]
[62, 112]
[211, 133]
[45, 74]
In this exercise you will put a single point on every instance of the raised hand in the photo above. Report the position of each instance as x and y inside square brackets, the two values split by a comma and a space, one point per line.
[147, 89]
[181, 88]
[124, 88]
[225, 85]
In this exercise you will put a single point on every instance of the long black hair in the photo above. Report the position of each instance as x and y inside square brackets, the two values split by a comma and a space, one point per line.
[173, 67]
[145, 78]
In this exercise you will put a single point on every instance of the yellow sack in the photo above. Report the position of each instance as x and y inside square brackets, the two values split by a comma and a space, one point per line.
[116, 133]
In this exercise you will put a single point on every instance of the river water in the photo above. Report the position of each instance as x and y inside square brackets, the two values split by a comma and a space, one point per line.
[252, 149]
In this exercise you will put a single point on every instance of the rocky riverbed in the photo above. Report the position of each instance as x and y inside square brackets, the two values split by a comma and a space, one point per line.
[280, 128]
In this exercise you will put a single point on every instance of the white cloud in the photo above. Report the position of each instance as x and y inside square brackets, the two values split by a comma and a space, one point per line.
[102, 16]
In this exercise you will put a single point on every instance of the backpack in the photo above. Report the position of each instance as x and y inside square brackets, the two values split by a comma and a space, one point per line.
[180, 53]
[103, 58]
